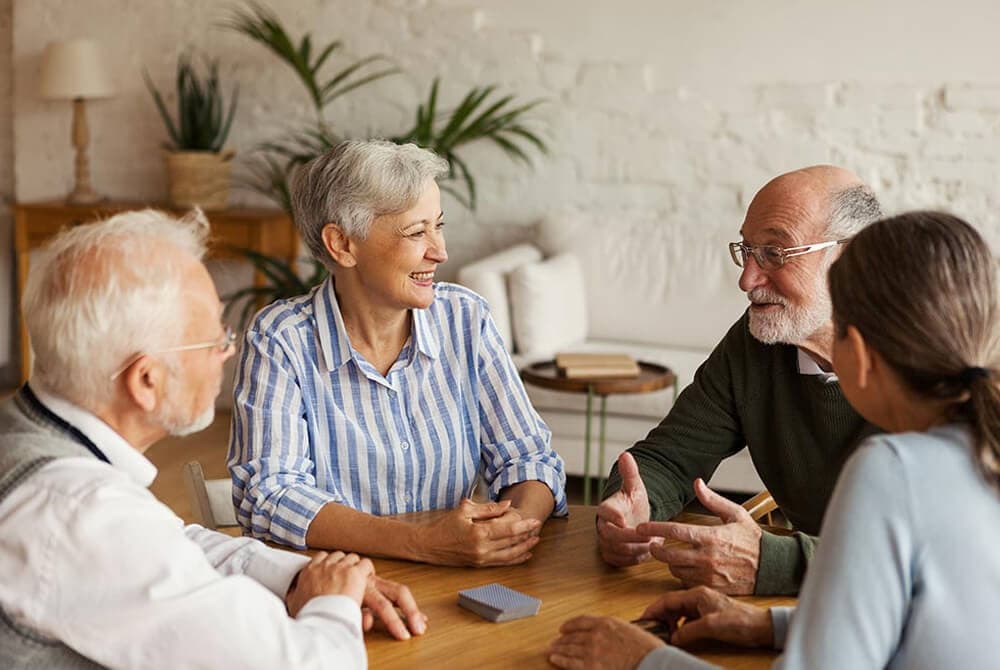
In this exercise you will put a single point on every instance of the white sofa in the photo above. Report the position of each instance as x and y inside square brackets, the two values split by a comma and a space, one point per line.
[642, 287]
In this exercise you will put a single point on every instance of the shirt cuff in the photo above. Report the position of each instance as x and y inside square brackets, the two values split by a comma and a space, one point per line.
[672, 658]
[295, 511]
[538, 472]
[781, 567]
[275, 568]
[780, 618]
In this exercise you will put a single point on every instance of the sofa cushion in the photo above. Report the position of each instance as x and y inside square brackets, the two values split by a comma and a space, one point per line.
[488, 278]
[548, 307]
[650, 281]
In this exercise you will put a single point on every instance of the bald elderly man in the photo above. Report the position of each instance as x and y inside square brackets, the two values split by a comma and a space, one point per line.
[767, 385]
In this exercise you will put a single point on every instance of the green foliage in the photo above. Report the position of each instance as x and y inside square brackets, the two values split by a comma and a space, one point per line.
[203, 122]
[262, 25]
[476, 117]
[482, 114]
[282, 282]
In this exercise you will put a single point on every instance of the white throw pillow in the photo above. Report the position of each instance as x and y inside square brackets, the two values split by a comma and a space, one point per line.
[488, 278]
[548, 306]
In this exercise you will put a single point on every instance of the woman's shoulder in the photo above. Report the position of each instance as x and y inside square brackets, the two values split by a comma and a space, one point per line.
[451, 297]
[283, 314]
[891, 457]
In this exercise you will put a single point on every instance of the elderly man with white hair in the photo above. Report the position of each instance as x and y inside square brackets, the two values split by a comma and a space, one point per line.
[768, 385]
[125, 325]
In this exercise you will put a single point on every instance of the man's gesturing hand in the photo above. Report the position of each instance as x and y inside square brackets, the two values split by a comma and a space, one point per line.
[330, 574]
[724, 557]
[618, 516]
[479, 535]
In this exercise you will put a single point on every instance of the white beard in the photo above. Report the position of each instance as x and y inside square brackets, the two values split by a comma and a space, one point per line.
[172, 419]
[791, 324]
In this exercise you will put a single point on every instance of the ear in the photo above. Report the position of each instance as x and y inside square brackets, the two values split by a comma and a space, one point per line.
[339, 246]
[862, 356]
[144, 382]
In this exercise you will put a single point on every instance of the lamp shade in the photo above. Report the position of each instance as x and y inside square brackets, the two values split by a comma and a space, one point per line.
[74, 69]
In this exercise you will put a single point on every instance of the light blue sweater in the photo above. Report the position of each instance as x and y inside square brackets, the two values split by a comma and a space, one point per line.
[907, 573]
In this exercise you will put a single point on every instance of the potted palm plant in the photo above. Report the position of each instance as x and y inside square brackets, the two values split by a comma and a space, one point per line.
[198, 166]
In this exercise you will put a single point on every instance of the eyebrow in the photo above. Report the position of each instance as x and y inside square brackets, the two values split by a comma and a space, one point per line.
[423, 222]
[774, 232]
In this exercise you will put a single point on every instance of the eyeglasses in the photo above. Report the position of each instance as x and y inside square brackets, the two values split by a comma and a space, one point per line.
[771, 257]
[221, 346]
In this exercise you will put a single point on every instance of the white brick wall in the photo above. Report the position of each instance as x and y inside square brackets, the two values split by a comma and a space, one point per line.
[675, 110]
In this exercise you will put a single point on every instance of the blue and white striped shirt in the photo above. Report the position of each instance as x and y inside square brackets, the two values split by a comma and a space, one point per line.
[314, 422]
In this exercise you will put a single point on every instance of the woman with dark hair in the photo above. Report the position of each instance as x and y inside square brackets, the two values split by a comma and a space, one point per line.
[907, 573]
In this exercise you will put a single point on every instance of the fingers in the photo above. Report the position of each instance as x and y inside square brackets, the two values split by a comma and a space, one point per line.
[578, 624]
[725, 509]
[678, 557]
[509, 528]
[674, 604]
[695, 631]
[383, 609]
[614, 534]
[629, 470]
[511, 555]
[400, 596]
[491, 510]
[672, 530]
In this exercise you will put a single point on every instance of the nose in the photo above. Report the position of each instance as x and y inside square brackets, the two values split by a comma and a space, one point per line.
[437, 250]
[752, 275]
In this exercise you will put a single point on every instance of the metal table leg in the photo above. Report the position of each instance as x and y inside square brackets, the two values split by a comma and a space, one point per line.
[600, 450]
[586, 448]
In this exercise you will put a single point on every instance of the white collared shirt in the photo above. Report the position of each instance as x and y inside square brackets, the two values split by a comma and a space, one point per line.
[90, 557]
[808, 366]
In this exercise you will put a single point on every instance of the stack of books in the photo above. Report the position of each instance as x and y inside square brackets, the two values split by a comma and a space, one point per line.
[596, 365]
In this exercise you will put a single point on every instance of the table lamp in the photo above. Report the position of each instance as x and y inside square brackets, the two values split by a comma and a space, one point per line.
[73, 70]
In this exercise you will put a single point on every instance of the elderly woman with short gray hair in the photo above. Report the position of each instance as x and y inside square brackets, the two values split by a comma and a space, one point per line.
[382, 392]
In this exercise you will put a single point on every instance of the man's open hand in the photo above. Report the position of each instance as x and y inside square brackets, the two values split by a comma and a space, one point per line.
[724, 557]
[618, 516]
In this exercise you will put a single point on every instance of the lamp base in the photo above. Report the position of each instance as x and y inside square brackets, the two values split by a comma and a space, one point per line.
[84, 197]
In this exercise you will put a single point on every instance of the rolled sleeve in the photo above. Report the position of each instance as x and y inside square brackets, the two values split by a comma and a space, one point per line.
[516, 443]
[274, 485]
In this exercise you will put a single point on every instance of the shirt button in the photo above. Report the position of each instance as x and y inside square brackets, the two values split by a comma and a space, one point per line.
[404, 446]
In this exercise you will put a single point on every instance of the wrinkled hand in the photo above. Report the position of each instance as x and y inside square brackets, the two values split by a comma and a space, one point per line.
[382, 597]
[330, 574]
[618, 516]
[600, 643]
[479, 535]
[710, 615]
[724, 557]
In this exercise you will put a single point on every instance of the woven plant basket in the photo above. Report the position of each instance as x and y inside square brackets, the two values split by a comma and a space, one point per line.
[199, 178]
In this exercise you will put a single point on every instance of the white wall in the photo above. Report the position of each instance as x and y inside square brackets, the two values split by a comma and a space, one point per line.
[675, 109]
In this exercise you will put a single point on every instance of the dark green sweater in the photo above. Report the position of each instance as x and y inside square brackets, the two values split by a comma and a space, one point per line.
[798, 427]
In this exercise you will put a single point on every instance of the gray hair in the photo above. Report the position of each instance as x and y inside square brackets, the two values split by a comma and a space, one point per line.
[355, 182]
[100, 293]
[851, 210]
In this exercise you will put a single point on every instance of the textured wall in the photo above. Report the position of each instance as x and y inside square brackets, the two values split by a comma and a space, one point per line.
[676, 111]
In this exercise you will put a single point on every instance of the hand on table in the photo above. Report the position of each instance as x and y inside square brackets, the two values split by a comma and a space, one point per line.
[619, 515]
[326, 574]
[479, 535]
[600, 643]
[381, 599]
[724, 557]
[710, 615]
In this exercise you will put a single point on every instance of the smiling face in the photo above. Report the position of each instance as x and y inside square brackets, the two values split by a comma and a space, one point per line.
[790, 304]
[395, 264]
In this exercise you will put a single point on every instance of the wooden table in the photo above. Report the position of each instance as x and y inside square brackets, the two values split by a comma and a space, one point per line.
[651, 377]
[566, 573]
[267, 231]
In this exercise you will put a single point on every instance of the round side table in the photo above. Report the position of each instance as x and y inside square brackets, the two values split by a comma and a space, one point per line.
[652, 377]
